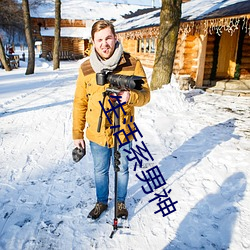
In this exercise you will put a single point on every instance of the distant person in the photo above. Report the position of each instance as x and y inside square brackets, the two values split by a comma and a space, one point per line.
[107, 54]
[11, 50]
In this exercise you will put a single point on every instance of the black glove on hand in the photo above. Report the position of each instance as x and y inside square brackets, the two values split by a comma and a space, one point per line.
[78, 153]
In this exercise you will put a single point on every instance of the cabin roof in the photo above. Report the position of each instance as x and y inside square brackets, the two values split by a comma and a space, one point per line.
[208, 9]
[193, 10]
[84, 10]
[77, 32]
[140, 21]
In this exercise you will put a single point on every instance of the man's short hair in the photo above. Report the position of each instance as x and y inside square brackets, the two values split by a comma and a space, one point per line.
[101, 24]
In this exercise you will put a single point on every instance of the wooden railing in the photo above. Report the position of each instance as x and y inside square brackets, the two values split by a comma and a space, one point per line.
[63, 55]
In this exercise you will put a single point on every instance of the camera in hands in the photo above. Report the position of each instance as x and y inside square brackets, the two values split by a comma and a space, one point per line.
[121, 82]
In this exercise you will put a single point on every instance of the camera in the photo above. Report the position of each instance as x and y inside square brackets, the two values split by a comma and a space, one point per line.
[122, 82]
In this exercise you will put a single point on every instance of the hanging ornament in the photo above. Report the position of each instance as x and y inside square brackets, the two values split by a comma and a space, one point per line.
[218, 25]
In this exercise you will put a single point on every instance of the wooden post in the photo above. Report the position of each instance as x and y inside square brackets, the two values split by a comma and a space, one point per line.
[201, 60]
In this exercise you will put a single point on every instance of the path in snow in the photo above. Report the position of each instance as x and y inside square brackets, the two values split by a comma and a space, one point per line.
[200, 143]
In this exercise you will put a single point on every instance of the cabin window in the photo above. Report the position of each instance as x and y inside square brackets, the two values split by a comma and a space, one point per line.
[146, 45]
[152, 45]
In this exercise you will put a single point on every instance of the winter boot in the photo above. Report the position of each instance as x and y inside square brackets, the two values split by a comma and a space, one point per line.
[122, 211]
[97, 210]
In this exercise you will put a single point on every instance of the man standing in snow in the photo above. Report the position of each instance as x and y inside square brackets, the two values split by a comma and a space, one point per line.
[107, 54]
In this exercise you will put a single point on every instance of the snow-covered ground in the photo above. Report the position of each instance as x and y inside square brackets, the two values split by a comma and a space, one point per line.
[199, 141]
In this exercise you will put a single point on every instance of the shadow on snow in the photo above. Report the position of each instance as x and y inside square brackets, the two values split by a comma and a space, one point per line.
[209, 225]
[189, 154]
[23, 110]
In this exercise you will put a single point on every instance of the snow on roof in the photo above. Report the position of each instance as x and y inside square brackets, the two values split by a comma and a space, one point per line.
[198, 9]
[79, 32]
[145, 20]
[192, 10]
[85, 10]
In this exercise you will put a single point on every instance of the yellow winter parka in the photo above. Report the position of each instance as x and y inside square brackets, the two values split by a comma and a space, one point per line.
[86, 106]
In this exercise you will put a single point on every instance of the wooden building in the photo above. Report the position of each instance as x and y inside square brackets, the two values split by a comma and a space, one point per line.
[77, 19]
[212, 45]
[75, 36]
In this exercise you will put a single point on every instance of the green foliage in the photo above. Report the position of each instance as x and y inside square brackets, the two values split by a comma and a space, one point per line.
[237, 72]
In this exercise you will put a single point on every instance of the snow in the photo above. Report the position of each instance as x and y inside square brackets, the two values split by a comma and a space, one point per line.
[192, 10]
[84, 33]
[86, 10]
[145, 20]
[155, 3]
[197, 9]
[199, 141]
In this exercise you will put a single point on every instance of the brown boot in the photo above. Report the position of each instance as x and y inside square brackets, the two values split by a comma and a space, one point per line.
[122, 211]
[97, 210]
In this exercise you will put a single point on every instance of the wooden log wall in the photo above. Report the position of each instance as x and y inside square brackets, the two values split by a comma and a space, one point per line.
[186, 55]
[190, 56]
[73, 45]
[47, 45]
[131, 46]
[79, 46]
[66, 44]
[50, 22]
[178, 61]
[185, 59]
[146, 59]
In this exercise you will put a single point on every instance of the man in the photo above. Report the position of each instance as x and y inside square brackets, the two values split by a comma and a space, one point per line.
[107, 54]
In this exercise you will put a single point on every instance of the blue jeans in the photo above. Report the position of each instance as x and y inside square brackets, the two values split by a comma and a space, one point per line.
[102, 157]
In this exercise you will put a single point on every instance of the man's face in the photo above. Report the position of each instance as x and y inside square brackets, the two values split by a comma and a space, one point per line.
[104, 42]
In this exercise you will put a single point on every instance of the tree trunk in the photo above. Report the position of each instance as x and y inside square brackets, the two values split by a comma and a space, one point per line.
[3, 57]
[168, 34]
[56, 59]
[28, 33]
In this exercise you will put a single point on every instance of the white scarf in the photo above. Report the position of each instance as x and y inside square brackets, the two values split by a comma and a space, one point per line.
[98, 64]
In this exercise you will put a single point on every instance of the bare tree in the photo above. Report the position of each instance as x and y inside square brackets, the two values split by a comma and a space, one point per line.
[11, 17]
[56, 59]
[3, 57]
[11, 24]
[28, 33]
[168, 34]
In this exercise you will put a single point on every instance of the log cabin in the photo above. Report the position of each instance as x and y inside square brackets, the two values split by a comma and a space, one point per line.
[213, 41]
[77, 19]
[74, 37]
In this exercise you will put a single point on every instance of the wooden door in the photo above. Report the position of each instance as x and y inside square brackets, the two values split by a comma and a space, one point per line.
[227, 55]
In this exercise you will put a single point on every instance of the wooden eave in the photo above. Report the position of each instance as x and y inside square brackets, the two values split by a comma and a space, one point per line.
[226, 23]
[50, 22]
[229, 23]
